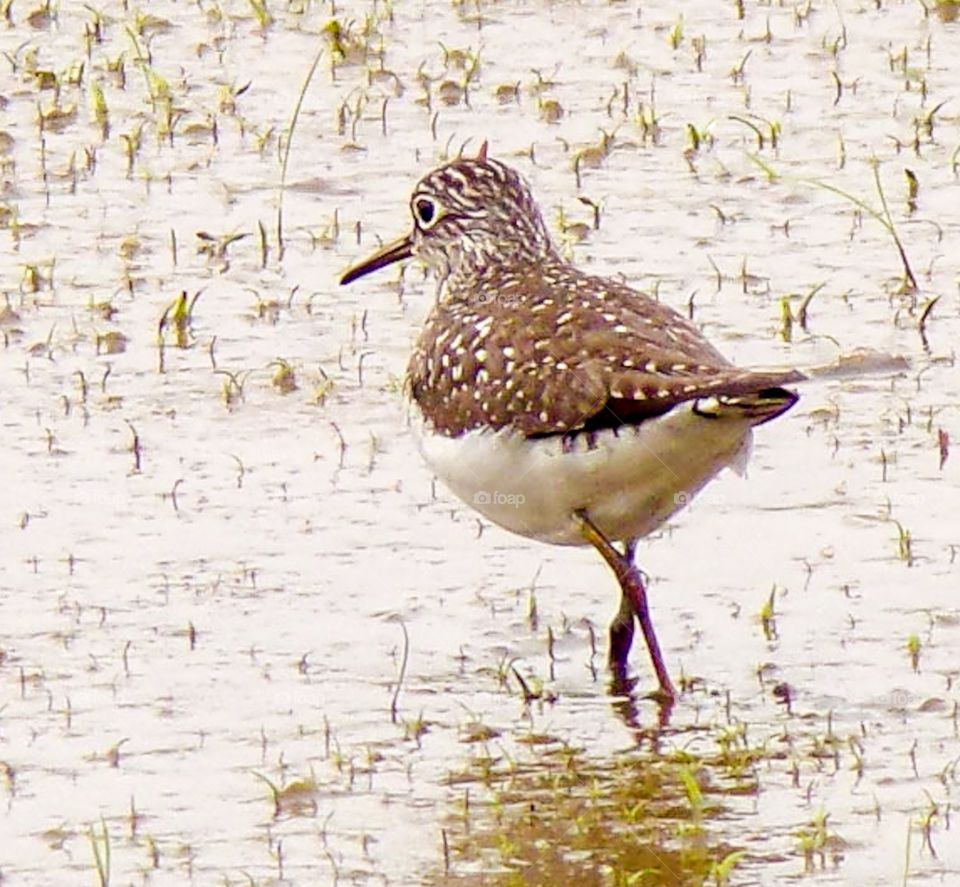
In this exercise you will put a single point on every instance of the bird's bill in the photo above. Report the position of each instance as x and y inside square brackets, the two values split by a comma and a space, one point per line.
[395, 251]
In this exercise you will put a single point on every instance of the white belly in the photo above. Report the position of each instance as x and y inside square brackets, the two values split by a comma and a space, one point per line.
[629, 482]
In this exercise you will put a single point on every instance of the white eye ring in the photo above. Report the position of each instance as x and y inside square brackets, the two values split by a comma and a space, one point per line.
[426, 211]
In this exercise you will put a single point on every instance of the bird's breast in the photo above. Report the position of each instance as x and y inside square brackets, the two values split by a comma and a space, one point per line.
[629, 480]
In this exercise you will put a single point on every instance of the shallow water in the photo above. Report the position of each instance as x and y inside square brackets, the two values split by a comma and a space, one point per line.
[188, 621]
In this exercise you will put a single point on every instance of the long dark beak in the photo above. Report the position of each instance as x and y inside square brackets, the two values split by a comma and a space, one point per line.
[395, 251]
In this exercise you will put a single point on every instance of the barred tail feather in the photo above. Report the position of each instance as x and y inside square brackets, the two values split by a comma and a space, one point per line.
[759, 406]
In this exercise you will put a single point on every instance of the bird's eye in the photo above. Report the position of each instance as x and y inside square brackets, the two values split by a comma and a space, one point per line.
[426, 211]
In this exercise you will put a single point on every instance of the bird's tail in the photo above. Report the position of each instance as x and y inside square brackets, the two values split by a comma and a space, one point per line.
[757, 406]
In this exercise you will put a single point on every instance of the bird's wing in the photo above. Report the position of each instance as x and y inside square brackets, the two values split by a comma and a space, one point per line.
[569, 353]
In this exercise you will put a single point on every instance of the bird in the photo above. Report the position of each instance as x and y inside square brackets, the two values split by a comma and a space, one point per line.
[563, 406]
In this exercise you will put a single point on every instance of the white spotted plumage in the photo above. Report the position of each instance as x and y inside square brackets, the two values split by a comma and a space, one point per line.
[563, 406]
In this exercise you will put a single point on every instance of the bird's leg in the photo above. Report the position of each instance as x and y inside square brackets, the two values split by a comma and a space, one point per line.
[622, 627]
[633, 602]
[621, 636]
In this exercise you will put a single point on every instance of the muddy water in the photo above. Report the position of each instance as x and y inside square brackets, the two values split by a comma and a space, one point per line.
[206, 571]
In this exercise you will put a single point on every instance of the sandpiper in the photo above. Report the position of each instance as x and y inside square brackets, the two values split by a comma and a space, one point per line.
[563, 406]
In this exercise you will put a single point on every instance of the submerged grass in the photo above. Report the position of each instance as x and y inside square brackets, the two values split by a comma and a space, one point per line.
[561, 818]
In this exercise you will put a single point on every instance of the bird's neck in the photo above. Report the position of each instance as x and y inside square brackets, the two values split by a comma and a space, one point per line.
[480, 274]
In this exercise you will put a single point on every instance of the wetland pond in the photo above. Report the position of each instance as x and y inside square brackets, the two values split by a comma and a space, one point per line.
[219, 546]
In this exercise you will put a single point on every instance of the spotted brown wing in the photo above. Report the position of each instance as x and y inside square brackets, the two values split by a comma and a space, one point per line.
[554, 351]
